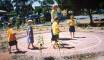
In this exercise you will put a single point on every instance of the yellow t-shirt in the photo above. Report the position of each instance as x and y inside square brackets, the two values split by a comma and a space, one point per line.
[55, 28]
[53, 15]
[71, 22]
[10, 35]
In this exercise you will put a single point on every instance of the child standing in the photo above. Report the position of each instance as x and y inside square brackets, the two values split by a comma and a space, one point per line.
[11, 37]
[71, 24]
[30, 34]
[55, 30]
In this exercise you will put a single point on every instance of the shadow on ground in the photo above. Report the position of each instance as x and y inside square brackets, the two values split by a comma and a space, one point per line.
[20, 52]
[79, 37]
[38, 48]
[68, 47]
[64, 44]
[86, 56]
[66, 39]
[49, 58]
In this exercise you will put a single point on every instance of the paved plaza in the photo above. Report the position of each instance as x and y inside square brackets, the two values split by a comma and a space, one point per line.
[87, 45]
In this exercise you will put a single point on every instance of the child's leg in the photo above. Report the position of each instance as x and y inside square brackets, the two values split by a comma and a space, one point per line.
[15, 42]
[71, 35]
[17, 47]
[52, 36]
[9, 49]
[54, 45]
[56, 42]
[28, 45]
[32, 45]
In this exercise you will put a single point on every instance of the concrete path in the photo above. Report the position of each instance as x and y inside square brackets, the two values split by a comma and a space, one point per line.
[85, 43]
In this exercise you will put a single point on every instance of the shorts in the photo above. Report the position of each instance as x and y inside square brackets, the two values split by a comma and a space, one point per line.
[55, 38]
[11, 43]
[72, 29]
[51, 35]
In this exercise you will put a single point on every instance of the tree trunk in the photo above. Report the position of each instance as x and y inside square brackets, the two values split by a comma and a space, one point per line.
[90, 15]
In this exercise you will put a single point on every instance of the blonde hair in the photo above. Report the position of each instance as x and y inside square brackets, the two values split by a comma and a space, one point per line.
[71, 17]
[54, 6]
[29, 20]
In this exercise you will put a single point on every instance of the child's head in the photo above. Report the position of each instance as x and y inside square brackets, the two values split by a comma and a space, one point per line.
[54, 7]
[9, 25]
[29, 22]
[71, 17]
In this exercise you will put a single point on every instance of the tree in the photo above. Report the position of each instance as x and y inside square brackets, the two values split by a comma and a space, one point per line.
[49, 1]
[78, 5]
[6, 5]
[22, 8]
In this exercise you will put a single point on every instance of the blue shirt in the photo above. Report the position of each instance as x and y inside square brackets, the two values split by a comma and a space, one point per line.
[30, 32]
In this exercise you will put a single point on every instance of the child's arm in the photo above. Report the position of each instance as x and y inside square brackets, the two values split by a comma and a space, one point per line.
[27, 31]
[68, 22]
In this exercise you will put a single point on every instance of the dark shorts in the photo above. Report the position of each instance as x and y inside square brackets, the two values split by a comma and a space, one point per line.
[11, 43]
[72, 29]
[51, 35]
[55, 38]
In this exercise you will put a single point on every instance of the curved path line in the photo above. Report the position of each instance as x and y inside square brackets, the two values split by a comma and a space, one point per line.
[99, 41]
[97, 38]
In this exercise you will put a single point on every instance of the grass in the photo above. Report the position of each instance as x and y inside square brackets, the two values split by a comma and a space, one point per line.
[4, 46]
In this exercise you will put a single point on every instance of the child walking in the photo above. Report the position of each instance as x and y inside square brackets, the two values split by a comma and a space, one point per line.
[55, 30]
[71, 24]
[30, 34]
[11, 38]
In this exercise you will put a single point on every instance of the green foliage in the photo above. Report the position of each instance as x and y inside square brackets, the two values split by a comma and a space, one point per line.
[1, 25]
[38, 9]
[4, 44]
[69, 4]
[58, 1]
[49, 1]
[12, 13]
[6, 5]
[42, 20]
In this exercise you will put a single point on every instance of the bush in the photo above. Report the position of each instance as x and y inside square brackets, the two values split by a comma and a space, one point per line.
[42, 20]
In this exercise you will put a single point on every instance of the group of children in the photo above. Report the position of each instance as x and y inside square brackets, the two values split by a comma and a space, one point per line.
[55, 30]
[55, 33]
[11, 35]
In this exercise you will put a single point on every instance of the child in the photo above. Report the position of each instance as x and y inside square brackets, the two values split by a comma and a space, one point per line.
[53, 15]
[55, 30]
[30, 34]
[71, 24]
[11, 37]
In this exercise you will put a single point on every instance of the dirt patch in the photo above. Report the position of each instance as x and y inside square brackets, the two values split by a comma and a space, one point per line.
[5, 56]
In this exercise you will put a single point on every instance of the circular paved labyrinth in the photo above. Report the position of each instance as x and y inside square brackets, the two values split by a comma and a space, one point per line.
[82, 41]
